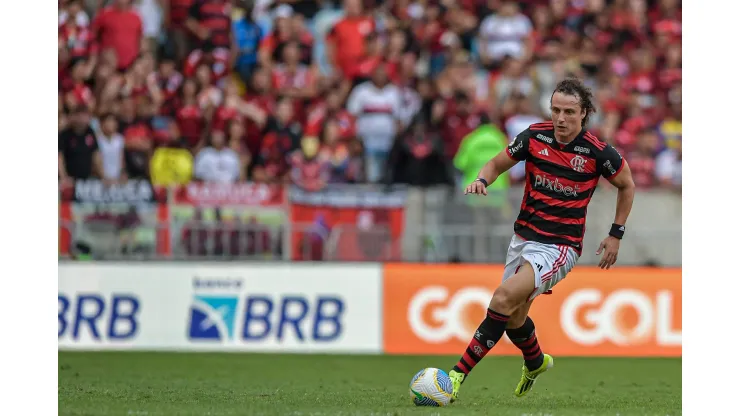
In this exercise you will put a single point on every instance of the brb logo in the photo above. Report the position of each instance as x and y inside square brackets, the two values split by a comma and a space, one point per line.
[624, 317]
[230, 318]
[542, 181]
[100, 317]
[437, 316]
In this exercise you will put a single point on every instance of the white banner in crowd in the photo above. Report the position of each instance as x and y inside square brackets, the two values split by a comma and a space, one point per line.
[200, 307]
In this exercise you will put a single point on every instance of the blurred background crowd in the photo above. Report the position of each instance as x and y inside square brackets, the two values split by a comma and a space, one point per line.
[313, 92]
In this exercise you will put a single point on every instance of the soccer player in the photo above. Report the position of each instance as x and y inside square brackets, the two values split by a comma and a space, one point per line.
[563, 163]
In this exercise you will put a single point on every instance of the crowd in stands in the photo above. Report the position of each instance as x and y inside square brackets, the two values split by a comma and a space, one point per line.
[313, 92]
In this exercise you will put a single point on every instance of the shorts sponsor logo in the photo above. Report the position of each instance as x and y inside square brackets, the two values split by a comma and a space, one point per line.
[544, 138]
[542, 181]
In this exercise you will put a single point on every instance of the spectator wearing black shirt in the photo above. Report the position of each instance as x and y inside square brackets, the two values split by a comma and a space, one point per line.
[417, 157]
[79, 157]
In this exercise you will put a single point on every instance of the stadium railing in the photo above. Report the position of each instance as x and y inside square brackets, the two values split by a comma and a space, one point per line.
[338, 223]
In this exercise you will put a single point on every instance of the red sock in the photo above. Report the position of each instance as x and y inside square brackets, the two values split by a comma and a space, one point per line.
[486, 336]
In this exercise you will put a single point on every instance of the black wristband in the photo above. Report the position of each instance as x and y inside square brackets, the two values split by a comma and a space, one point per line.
[617, 231]
[483, 181]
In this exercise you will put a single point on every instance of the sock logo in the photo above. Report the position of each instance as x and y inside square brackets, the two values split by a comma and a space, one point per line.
[478, 350]
[490, 344]
[212, 317]
[478, 335]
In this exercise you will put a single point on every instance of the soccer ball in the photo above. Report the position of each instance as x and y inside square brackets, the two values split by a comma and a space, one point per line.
[431, 387]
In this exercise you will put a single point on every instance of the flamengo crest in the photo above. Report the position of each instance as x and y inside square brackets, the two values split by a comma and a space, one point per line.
[578, 163]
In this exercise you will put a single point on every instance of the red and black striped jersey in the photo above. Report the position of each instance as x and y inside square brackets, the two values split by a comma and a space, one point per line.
[214, 15]
[561, 179]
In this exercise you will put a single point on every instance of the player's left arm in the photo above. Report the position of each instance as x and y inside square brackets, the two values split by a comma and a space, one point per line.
[616, 170]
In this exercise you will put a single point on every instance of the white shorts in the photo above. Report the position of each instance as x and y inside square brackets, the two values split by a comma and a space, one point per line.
[551, 262]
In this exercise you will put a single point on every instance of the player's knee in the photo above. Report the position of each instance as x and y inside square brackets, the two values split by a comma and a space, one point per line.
[517, 319]
[504, 301]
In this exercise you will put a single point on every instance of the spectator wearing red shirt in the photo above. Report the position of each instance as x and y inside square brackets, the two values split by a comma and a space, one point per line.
[189, 116]
[78, 42]
[460, 119]
[236, 135]
[642, 159]
[671, 72]
[309, 169]
[345, 44]
[218, 60]
[363, 68]
[169, 80]
[259, 95]
[331, 110]
[76, 91]
[289, 27]
[294, 79]
[72, 10]
[119, 27]
[336, 154]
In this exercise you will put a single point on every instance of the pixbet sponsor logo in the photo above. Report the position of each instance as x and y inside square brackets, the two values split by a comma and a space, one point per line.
[590, 317]
[581, 149]
[544, 138]
[514, 149]
[608, 166]
[542, 181]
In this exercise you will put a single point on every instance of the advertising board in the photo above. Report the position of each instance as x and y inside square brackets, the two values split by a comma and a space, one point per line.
[220, 307]
[435, 309]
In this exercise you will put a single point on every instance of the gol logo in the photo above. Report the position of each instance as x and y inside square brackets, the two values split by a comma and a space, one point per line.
[624, 317]
[434, 316]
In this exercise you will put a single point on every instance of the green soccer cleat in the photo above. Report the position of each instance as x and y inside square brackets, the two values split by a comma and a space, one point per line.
[457, 380]
[529, 377]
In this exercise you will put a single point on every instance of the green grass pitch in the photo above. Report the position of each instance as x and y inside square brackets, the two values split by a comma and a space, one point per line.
[147, 384]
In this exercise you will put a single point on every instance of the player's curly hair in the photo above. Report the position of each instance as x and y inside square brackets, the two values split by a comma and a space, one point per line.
[574, 87]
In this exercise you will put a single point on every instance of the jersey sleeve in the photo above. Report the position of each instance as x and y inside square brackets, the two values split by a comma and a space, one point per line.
[518, 149]
[610, 162]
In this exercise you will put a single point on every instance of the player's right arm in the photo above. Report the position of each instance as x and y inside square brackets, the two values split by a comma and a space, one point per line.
[515, 152]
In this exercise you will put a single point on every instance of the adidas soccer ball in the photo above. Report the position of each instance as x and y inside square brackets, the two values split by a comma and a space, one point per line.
[431, 387]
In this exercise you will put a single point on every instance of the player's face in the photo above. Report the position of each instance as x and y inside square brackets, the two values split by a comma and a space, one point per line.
[566, 115]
